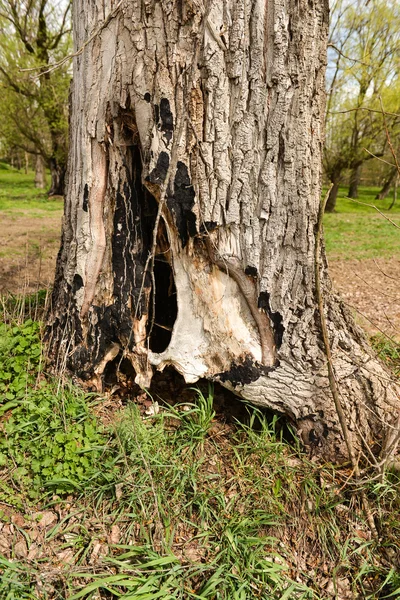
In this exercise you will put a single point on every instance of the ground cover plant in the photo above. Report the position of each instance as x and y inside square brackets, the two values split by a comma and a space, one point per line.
[184, 493]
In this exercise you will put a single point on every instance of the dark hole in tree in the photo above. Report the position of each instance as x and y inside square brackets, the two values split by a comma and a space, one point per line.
[120, 372]
[162, 309]
[166, 307]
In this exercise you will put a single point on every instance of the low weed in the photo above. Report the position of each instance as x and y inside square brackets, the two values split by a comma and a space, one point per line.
[50, 439]
[389, 351]
[17, 581]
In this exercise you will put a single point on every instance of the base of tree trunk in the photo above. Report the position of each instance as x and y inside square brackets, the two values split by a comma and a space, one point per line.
[193, 201]
[355, 177]
[387, 184]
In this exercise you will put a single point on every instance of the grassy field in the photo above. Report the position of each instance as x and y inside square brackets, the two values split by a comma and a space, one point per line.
[358, 231]
[133, 497]
[19, 196]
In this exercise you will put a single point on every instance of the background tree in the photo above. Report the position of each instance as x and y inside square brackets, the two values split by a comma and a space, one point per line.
[363, 64]
[34, 115]
[189, 236]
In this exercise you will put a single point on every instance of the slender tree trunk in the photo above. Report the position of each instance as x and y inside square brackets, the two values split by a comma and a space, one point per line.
[395, 186]
[332, 198]
[391, 178]
[355, 176]
[194, 188]
[57, 173]
[40, 173]
[26, 155]
[336, 178]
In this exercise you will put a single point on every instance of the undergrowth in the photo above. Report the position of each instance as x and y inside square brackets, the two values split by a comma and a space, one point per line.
[177, 504]
[389, 352]
[50, 439]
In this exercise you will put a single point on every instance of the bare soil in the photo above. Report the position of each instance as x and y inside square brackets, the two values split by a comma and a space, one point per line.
[371, 288]
[28, 251]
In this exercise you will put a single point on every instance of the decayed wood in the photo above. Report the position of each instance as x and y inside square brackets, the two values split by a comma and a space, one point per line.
[97, 230]
[247, 289]
[196, 136]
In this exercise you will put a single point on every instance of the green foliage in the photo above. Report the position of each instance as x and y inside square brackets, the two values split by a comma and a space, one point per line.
[196, 419]
[34, 113]
[49, 437]
[17, 581]
[362, 72]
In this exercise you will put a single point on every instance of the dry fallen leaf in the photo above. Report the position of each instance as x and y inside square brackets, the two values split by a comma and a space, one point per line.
[115, 535]
[21, 549]
[44, 519]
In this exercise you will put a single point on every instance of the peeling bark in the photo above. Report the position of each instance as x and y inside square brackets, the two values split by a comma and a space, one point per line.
[194, 183]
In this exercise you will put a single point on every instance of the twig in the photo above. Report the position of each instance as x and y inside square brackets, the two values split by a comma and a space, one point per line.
[386, 335]
[331, 373]
[374, 110]
[355, 60]
[371, 287]
[43, 70]
[383, 272]
[379, 158]
[388, 137]
[376, 208]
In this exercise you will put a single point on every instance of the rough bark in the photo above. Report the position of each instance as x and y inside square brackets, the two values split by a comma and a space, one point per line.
[193, 194]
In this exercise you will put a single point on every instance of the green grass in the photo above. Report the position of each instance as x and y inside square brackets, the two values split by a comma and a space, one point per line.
[19, 195]
[356, 231]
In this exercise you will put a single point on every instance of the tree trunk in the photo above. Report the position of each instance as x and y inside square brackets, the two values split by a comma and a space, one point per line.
[193, 196]
[57, 173]
[396, 183]
[391, 178]
[332, 198]
[336, 178]
[355, 176]
[40, 173]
